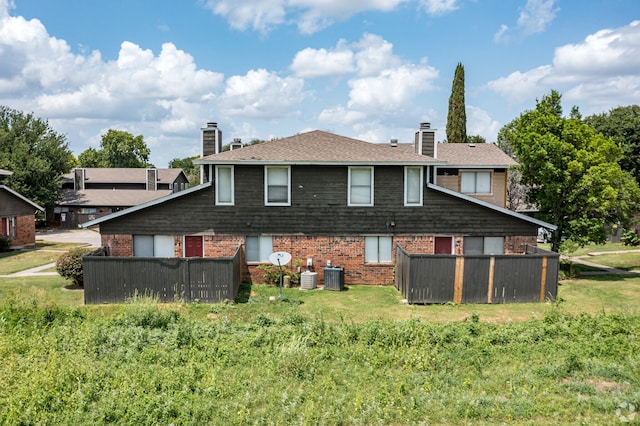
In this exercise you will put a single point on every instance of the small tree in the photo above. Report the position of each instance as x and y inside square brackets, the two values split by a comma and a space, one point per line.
[69, 265]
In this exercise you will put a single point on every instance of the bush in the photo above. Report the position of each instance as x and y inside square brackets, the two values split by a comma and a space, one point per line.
[69, 265]
[271, 273]
[630, 238]
[5, 242]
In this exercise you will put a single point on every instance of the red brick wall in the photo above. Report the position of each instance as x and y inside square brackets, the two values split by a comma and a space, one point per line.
[118, 244]
[25, 231]
[344, 251]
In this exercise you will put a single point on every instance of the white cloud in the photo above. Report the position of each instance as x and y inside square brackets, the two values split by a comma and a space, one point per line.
[519, 86]
[534, 18]
[390, 90]
[310, 16]
[262, 94]
[502, 35]
[322, 62]
[374, 55]
[609, 51]
[479, 122]
[439, 7]
[601, 70]
[537, 14]
[338, 114]
[259, 15]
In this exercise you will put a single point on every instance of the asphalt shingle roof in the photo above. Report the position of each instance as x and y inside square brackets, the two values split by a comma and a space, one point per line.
[320, 147]
[480, 154]
[110, 198]
[124, 175]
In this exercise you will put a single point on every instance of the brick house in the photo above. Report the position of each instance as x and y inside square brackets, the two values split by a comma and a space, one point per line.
[327, 200]
[17, 218]
[90, 193]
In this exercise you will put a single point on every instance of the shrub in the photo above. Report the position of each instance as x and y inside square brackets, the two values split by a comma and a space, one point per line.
[5, 242]
[69, 265]
[271, 273]
[630, 238]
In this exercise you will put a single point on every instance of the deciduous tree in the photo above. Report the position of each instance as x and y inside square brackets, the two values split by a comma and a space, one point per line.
[623, 125]
[117, 149]
[37, 155]
[572, 172]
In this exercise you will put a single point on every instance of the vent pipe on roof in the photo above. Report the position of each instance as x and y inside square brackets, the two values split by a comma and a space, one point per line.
[394, 143]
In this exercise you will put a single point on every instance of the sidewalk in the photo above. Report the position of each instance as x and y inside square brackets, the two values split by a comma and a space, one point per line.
[37, 271]
[604, 270]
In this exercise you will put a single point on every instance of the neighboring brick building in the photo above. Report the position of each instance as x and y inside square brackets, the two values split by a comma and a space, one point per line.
[329, 199]
[17, 218]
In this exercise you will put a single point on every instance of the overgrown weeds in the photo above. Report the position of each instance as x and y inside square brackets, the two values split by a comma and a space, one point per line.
[151, 365]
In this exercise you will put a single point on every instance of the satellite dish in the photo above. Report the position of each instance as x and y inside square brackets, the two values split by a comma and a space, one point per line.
[280, 258]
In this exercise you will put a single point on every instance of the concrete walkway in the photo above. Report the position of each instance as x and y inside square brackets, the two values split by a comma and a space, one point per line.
[82, 236]
[604, 270]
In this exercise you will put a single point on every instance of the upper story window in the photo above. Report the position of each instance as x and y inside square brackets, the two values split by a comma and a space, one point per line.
[413, 186]
[478, 182]
[277, 185]
[224, 186]
[360, 186]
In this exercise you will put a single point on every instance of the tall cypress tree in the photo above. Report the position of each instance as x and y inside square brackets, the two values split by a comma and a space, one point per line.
[457, 117]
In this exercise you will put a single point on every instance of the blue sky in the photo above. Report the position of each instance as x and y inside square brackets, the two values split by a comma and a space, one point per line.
[368, 69]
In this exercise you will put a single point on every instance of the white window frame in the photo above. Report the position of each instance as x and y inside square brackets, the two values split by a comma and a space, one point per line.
[232, 189]
[475, 173]
[406, 186]
[377, 248]
[266, 186]
[265, 248]
[350, 203]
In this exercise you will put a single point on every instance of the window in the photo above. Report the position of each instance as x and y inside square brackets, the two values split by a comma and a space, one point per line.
[483, 245]
[413, 186]
[277, 186]
[153, 246]
[360, 186]
[378, 249]
[88, 210]
[224, 185]
[493, 245]
[475, 183]
[259, 248]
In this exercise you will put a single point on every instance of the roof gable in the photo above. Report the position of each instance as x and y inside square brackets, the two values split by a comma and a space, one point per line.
[20, 197]
[320, 147]
[474, 154]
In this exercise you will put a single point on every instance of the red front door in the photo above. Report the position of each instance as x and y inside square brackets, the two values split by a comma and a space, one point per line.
[193, 246]
[443, 245]
[4, 230]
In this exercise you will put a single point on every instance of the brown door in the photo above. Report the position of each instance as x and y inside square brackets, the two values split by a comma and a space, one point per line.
[193, 246]
[4, 230]
[443, 245]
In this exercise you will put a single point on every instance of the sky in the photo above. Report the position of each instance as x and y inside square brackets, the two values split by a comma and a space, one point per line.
[262, 69]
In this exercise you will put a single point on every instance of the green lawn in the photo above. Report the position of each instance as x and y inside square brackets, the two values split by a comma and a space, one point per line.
[319, 357]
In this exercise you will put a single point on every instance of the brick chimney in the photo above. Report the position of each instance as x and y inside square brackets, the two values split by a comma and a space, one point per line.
[79, 176]
[211, 139]
[426, 141]
[152, 179]
[211, 144]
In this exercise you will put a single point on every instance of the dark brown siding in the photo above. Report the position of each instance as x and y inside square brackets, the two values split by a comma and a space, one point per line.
[10, 205]
[318, 207]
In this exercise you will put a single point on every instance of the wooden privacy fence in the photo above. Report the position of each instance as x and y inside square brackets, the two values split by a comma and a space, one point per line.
[530, 277]
[115, 279]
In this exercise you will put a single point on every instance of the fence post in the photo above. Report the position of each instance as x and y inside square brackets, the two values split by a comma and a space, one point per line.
[492, 267]
[543, 279]
[458, 280]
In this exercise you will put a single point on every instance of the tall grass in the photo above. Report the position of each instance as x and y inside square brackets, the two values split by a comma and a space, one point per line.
[152, 365]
